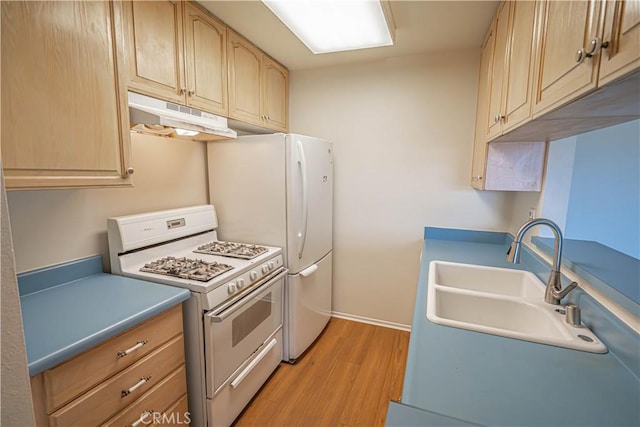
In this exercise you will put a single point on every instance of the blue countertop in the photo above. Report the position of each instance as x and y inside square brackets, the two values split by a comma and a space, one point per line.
[492, 380]
[69, 308]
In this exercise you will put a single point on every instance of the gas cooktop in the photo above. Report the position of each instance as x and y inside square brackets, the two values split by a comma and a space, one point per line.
[186, 268]
[231, 249]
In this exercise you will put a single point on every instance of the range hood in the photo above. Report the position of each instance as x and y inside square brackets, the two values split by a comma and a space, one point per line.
[156, 117]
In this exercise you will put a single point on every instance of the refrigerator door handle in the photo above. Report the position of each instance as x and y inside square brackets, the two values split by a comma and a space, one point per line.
[302, 235]
[309, 270]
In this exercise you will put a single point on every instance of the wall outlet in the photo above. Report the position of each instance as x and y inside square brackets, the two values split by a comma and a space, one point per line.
[532, 213]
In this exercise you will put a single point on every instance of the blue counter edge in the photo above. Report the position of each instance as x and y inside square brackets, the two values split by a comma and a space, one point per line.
[66, 353]
[473, 236]
[48, 278]
[403, 415]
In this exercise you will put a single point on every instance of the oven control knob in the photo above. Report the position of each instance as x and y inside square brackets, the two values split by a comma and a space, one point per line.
[240, 283]
[271, 265]
[253, 276]
[231, 289]
[265, 269]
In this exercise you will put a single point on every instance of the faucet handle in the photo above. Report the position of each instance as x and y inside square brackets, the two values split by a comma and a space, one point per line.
[563, 292]
[573, 315]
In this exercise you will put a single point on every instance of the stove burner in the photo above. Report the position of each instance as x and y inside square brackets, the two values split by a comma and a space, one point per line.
[231, 249]
[186, 268]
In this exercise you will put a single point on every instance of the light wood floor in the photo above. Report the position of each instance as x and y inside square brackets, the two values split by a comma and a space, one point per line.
[345, 379]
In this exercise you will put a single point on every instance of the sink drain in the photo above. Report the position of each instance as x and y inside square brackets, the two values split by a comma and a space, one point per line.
[585, 338]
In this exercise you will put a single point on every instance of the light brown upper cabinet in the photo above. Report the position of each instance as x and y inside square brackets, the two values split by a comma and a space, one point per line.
[567, 62]
[516, 100]
[510, 101]
[482, 112]
[504, 90]
[498, 70]
[622, 40]
[64, 106]
[258, 86]
[244, 79]
[275, 94]
[177, 52]
[569, 67]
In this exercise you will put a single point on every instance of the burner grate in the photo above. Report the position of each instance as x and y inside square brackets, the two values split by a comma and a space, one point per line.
[186, 268]
[231, 249]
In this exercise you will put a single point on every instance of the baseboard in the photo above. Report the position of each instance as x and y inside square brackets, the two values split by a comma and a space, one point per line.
[370, 321]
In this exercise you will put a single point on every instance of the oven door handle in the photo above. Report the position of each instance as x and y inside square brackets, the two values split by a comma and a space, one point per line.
[218, 317]
[236, 382]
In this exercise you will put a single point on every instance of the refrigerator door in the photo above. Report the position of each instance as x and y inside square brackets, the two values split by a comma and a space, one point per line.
[309, 200]
[308, 306]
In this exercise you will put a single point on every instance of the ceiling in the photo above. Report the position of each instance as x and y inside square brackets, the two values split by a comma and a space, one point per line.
[421, 26]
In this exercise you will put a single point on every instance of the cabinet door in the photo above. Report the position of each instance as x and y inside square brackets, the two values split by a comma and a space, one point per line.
[482, 111]
[498, 74]
[155, 49]
[244, 80]
[275, 95]
[206, 61]
[517, 99]
[64, 109]
[565, 27]
[622, 33]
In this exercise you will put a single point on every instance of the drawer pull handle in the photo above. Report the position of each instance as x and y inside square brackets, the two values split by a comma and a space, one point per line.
[144, 417]
[132, 349]
[139, 384]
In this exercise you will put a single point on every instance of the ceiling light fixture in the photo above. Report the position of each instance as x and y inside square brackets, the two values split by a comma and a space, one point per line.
[326, 26]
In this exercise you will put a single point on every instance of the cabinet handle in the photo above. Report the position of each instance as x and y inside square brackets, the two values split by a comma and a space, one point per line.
[580, 55]
[130, 171]
[134, 387]
[593, 47]
[183, 91]
[268, 118]
[144, 417]
[192, 92]
[477, 178]
[138, 344]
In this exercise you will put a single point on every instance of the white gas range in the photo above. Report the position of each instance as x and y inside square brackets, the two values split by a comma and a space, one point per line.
[233, 320]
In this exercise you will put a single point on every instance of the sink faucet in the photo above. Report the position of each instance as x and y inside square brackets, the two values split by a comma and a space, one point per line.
[554, 292]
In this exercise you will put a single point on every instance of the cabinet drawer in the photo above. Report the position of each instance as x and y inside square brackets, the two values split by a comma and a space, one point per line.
[70, 379]
[115, 394]
[159, 399]
[176, 416]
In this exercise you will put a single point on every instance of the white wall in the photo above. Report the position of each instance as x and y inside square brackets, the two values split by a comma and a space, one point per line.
[403, 133]
[17, 407]
[54, 226]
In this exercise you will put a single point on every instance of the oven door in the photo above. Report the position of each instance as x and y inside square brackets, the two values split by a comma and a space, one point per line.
[234, 333]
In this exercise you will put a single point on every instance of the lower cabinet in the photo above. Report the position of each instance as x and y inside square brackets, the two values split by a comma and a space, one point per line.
[136, 377]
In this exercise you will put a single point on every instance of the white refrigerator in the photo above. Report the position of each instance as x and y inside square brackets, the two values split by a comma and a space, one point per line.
[277, 190]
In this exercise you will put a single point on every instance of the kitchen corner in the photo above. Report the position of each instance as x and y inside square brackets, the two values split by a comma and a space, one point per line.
[491, 380]
[101, 346]
[71, 307]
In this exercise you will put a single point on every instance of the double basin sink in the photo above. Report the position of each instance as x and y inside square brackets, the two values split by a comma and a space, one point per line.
[500, 301]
